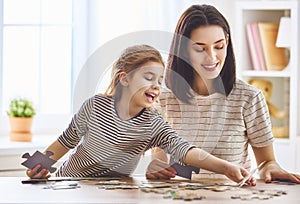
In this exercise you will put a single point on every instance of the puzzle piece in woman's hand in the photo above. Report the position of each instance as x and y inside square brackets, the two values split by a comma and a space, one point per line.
[39, 158]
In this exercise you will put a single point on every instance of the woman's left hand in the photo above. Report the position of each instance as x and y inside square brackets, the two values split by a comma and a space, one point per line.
[272, 171]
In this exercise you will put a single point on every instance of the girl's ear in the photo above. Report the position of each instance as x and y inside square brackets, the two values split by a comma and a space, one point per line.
[123, 78]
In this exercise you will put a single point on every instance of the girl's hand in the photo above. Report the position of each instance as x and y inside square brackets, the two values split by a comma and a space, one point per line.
[158, 169]
[32, 173]
[272, 171]
[237, 174]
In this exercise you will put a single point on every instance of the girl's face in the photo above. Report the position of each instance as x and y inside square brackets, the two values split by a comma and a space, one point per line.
[207, 50]
[144, 85]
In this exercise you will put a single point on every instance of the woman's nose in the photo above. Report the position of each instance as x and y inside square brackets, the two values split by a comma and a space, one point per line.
[211, 54]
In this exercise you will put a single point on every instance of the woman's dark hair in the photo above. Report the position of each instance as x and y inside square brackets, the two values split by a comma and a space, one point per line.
[180, 74]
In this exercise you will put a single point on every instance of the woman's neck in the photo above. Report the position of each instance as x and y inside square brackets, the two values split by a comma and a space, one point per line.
[202, 87]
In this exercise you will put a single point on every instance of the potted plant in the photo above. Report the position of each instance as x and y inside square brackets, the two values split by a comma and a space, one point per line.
[21, 112]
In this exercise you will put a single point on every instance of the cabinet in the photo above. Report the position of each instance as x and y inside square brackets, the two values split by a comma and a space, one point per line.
[285, 82]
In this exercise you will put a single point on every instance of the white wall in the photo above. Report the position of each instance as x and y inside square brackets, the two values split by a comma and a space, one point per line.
[100, 22]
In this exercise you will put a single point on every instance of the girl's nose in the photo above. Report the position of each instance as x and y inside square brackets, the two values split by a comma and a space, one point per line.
[155, 85]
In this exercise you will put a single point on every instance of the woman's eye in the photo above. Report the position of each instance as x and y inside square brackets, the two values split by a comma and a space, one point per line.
[220, 47]
[199, 50]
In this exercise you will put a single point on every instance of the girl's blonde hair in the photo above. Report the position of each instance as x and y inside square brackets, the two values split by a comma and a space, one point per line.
[131, 58]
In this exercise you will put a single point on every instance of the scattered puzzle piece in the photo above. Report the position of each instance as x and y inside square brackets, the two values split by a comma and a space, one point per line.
[39, 158]
[111, 182]
[185, 195]
[62, 185]
[219, 188]
[269, 192]
[259, 194]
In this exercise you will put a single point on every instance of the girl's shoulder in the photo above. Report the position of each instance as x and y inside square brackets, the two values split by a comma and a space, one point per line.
[100, 98]
[97, 100]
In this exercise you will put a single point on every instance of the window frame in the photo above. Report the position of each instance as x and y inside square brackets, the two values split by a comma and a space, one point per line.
[43, 123]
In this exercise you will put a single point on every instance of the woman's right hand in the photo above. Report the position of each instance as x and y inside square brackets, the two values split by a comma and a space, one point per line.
[34, 174]
[158, 169]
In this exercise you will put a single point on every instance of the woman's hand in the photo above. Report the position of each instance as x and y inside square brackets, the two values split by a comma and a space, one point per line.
[272, 171]
[158, 169]
[34, 174]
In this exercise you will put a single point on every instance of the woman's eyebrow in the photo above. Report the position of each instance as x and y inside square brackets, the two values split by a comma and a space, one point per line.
[199, 43]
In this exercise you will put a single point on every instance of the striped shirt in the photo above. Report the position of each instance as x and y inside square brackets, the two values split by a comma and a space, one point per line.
[105, 145]
[223, 126]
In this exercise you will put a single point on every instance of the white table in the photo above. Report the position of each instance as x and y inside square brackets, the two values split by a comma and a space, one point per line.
[13, 191]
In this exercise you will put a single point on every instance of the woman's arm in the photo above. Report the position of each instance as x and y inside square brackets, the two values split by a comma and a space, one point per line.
[272, 170]
[58, 151]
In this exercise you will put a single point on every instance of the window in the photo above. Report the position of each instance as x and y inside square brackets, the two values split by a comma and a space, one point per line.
[36, 54]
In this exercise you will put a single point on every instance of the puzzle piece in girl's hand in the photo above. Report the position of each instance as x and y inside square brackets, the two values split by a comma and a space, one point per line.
[39, 158]
[184, 171]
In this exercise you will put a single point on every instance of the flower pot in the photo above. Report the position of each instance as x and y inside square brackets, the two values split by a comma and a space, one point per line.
[20, 129]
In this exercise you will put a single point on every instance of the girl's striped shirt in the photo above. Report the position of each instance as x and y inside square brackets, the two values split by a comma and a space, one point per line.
[105, 145]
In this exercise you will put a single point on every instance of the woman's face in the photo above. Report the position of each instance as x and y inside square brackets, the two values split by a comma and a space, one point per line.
[207, 50]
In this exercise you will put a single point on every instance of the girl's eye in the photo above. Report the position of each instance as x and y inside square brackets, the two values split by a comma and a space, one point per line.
[148, 78]
[220, 47]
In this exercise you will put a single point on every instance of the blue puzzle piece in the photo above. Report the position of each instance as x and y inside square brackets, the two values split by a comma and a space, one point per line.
[39, 158]
[184, 171]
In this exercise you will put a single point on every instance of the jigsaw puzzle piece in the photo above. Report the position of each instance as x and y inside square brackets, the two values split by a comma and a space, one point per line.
[39, 158]
[184, 171]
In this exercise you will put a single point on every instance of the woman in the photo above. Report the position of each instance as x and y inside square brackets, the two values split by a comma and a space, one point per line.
[208, 106]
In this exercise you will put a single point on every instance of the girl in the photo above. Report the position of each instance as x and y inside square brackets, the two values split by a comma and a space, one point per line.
[231, 114]
[111, 131]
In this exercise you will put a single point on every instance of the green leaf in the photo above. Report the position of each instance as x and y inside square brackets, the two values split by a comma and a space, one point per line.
[21, 107]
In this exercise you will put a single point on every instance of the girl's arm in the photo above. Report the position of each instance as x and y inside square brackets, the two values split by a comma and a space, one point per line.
[58, 151]
[203, 160]
[159, 167]
[272, 170]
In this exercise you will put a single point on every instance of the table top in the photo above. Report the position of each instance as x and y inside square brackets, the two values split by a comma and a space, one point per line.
[12, 190]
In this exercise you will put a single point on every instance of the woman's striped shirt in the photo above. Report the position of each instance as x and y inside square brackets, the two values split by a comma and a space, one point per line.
[105, 145]
[223, 126]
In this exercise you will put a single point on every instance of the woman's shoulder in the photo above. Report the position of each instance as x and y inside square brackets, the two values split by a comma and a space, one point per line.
[243, 88]
[168, 97]
[166, 93]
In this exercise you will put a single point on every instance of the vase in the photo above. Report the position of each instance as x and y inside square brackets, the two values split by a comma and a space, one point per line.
[20, 129]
